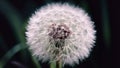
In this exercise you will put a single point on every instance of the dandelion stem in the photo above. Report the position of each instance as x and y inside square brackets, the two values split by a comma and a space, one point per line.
[58, 64]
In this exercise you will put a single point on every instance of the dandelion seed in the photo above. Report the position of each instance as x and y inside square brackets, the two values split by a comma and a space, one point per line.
[60, 32]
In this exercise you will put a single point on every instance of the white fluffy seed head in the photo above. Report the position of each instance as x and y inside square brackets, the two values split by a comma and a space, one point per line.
[47, 42]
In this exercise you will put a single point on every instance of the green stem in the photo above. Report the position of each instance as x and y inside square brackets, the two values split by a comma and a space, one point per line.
[53, 65]
[35, 62]
[58, 64]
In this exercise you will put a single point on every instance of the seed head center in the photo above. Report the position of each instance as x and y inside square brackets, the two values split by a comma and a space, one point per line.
[59, 31]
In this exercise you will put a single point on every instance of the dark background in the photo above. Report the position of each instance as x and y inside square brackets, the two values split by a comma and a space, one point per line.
[14, 15]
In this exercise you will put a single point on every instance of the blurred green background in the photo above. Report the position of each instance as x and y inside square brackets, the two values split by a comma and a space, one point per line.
[14, 15]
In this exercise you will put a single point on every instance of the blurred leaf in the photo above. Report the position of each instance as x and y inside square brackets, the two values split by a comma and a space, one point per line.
[15, 20]
[10, 54]
[3, 46]
[16, 23]
[106, 24]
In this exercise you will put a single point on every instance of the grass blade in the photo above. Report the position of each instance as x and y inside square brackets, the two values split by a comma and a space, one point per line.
[106, 24]
[10, 54]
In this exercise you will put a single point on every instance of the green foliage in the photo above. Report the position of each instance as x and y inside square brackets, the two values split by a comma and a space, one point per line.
[18, 27]
[10, 54]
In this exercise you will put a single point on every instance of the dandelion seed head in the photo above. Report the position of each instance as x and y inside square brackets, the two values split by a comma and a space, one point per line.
[60, 32]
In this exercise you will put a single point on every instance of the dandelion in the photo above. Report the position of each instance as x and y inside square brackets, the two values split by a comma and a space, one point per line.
[60, 32]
